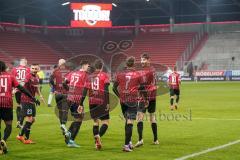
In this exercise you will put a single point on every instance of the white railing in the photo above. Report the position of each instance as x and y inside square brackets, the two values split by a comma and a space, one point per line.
[190, 48]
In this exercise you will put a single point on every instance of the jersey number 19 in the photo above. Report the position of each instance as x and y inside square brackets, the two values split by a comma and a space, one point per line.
[95, 83]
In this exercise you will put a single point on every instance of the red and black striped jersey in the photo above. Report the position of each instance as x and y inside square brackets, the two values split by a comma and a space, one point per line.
[7, 83]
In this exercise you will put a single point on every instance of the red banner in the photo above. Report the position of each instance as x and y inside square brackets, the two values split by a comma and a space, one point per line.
[91, 15]
[84, 24]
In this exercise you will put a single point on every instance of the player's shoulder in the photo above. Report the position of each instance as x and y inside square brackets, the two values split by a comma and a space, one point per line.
[78, 73]
[83, 72]
[28, 76]
[137, 71]
[141, 71]
[151, 70]
[67, 70]
[119, 73]
[14, 68]
[103, 74]
[6, 74]
[27, 68]
[22, 67]
[176, 73]
[18, 67]
[59, 71]
[72, 73]
[55, 71]
[132, 72]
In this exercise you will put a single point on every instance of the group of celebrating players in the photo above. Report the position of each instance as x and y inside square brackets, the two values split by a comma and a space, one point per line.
[136, 89]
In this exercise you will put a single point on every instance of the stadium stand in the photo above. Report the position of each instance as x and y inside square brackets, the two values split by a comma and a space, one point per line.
[221, 52]
[164, 47]
[5, 57]
[24, 45]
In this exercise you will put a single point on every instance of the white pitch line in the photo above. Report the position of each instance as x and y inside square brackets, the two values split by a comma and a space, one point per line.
[208, 150]
[221, 119]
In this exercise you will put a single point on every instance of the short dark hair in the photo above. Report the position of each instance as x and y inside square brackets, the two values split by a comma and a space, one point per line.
[3, 66]
[145, 55]
[98, 64]
[84, 62]
[91, 69]
[55, 66]
[34, 64]
[130, 61]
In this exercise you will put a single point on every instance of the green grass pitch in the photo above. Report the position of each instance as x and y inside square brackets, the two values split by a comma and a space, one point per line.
[214, 121]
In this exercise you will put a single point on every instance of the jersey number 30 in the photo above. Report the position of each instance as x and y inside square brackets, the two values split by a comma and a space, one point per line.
[21, 74]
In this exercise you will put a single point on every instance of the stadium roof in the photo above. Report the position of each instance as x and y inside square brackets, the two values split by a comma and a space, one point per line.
[147, 11]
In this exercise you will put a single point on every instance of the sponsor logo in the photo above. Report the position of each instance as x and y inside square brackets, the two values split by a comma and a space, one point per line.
[209, 73]
[236, 73]
[186, 79]
[91, 15]
[235, 78]
[211, 78]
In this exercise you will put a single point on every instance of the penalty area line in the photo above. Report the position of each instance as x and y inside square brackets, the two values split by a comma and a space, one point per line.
[208, 150]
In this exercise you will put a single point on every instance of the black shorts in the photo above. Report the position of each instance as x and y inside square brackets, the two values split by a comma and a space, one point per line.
[151, 108]
[40, 81]
[61, 100]
[6, 114]
[28, 109]
[129, 110]
[18, 97]
[73, 109]
[174, 92]
[99, 112]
